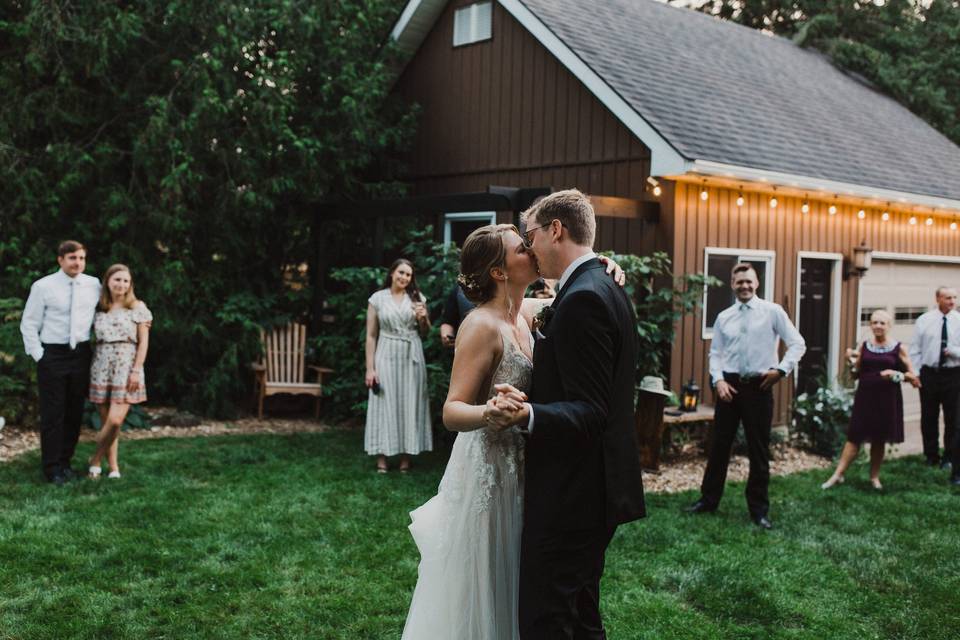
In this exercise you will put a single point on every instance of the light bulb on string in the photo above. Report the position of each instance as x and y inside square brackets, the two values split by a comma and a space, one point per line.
[885, 217]
[805, 207]
[773, 202]
[929, 222]
[913, 219]
[703, 194]
[953, 226]
[833, 209]
[861, 214]
[740, 200]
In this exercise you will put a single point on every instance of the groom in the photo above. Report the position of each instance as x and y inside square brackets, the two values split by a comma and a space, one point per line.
[582, 464]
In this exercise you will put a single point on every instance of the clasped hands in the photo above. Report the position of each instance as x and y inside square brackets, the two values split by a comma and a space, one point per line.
[506, 409]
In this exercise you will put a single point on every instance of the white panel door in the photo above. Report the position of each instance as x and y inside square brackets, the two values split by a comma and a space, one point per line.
[905, 289]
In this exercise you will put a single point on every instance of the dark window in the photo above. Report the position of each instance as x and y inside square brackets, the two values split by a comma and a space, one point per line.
[907, 314]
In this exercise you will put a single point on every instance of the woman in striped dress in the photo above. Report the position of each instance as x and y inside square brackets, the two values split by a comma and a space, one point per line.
[398, 408]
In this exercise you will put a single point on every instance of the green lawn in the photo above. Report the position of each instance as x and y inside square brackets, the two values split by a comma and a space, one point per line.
[296, 537]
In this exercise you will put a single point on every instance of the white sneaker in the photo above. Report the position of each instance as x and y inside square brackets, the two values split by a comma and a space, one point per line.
[94, 472]
[113, 474]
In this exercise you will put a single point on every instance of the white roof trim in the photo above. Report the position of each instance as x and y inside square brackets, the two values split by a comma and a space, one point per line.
[807, 183]
[664, 159]
[419, 16]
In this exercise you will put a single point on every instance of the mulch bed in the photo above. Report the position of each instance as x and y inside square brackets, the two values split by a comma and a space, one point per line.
[679, 472]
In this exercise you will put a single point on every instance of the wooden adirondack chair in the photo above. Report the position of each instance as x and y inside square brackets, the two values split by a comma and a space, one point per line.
[282, 368]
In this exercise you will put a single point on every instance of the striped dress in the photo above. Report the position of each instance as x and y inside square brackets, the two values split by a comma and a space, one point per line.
[398, 418]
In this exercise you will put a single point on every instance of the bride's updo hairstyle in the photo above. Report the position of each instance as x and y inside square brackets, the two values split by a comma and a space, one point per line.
[482, 251]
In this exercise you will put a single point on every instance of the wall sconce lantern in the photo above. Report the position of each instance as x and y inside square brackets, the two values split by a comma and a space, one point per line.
[690, 396]
[861, 260]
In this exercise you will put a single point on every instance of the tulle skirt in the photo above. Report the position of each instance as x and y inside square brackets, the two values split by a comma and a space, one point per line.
[468, 536]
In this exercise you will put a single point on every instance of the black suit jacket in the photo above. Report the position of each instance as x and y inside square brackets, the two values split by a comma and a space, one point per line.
[582, 459]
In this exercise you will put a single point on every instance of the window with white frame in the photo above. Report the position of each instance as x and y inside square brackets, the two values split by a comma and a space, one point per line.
[457, 226]
[719, 264]
[473, 23]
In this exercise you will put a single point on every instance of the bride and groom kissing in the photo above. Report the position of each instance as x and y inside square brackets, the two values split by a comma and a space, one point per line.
[545, 464]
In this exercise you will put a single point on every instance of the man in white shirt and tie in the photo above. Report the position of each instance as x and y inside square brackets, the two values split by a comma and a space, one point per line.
[935, 349]
[56, 334]
[744, 367]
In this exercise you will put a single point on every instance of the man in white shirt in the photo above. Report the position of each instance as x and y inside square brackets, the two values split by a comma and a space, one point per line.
[935, 349]
[56, 334]
[744, 367]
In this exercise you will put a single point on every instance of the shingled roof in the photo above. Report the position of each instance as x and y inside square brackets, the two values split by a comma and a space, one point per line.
[719, 93]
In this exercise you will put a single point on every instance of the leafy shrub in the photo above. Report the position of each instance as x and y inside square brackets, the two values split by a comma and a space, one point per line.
[137, 418]
[18, 372]
[660, 299]
[820, 418]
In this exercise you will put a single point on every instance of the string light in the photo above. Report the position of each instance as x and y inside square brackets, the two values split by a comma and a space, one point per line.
[805, 207]
[656, 186]
[832, 210]
[861, 214]
[885, 217]
[740, 199]
[929, 222]
[913, 219]
[703, 193]
[773, 202]
[953, 226]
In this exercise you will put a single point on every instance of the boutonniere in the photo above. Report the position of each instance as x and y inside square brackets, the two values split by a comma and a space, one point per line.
[543, 317]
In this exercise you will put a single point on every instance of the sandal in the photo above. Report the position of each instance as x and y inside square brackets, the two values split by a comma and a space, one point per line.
[382, 466]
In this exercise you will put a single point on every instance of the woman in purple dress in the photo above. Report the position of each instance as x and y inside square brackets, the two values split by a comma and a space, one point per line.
[880, 366]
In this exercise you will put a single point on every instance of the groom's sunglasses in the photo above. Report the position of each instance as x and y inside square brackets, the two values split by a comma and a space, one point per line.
[527, 242]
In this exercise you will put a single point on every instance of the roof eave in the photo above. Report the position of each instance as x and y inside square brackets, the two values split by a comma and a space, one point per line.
[812, 184]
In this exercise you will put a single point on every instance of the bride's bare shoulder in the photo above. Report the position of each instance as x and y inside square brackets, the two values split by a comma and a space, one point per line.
[479, 327]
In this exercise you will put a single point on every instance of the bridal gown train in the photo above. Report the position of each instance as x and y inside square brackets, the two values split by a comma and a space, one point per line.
[469, 533]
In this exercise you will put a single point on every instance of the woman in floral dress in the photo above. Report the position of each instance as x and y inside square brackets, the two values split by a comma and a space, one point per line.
[122, 326]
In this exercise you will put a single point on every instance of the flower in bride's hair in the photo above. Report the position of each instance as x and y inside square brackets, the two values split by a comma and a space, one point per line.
[468, 282]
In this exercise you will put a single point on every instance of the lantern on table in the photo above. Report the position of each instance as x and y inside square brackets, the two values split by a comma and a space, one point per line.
[690, 396]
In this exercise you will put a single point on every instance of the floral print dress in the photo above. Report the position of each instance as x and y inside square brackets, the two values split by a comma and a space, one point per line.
[115, 351]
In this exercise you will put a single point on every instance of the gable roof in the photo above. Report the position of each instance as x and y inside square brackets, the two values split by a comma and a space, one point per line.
[712, 97]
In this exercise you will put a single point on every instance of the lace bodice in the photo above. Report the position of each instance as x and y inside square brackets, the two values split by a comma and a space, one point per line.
[487, 453]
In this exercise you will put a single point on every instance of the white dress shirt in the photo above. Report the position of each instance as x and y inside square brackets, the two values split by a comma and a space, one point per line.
[925, 347]
[745, 339]
[59, 310]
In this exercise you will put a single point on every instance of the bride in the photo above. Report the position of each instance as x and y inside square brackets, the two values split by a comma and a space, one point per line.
[468, 534]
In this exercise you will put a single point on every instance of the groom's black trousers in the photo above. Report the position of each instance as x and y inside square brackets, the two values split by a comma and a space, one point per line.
[560, 584]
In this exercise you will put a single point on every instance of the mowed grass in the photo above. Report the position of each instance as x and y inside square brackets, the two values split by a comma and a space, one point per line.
[296, 537]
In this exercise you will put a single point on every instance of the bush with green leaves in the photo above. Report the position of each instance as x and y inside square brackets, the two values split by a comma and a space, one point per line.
[820, 418]
[191, 141]
[18, 372]
[660, 299]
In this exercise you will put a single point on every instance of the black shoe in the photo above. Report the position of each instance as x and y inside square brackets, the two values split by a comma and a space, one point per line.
[701, 506]
[70, 474]
[58, 479]
[763, 522]
[933, 462]
[945, 465]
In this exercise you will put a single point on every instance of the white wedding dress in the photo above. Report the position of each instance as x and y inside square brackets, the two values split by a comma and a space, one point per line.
[469, 533]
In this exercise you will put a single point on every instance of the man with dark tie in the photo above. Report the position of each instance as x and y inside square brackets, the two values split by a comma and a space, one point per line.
[55, 326]
[744, 367]
[935, 349]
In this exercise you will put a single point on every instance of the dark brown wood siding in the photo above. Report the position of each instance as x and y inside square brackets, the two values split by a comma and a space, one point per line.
[718, 222]
[505, 112]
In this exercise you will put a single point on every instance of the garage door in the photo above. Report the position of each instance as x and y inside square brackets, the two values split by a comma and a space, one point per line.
[906, 290]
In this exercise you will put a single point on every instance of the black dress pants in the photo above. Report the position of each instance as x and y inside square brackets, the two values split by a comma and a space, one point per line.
[560, 584]
[753, 407]
[63, 377]
[939, 388]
